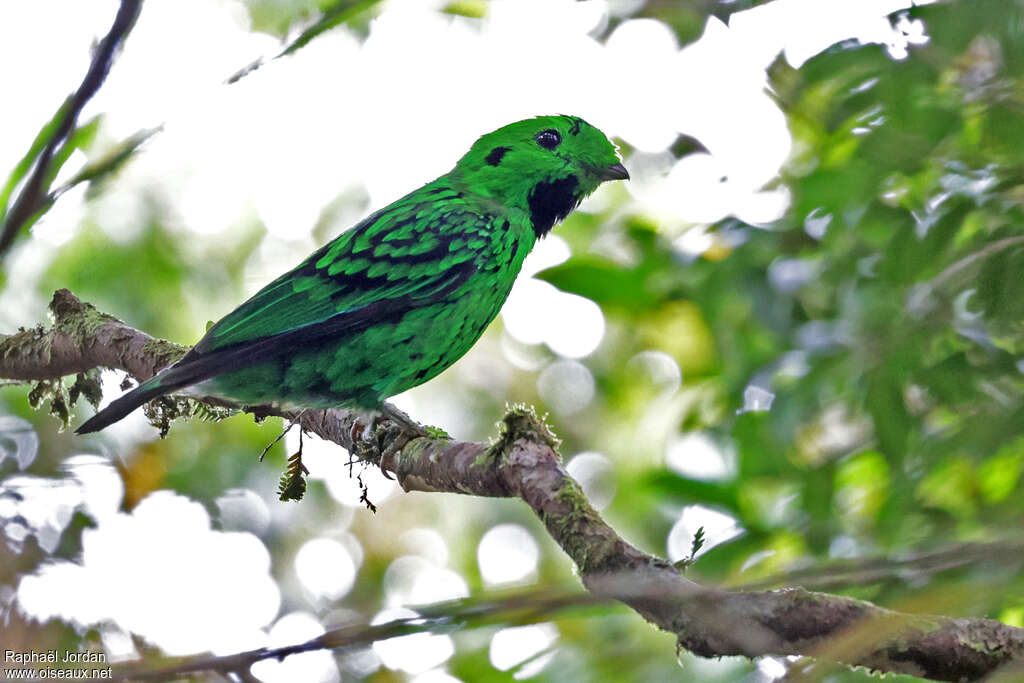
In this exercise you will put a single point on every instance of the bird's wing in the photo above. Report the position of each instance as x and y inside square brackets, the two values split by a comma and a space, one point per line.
[406, 256]
[409, 255]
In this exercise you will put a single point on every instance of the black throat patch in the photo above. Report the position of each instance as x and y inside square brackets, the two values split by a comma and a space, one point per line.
[551, 201]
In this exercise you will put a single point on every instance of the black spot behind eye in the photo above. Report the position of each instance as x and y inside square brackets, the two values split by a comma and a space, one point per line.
[494, 156]
[548, 139]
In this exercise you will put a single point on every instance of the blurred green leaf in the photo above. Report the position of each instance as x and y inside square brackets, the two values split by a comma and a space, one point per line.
[335, 14]
[602, 281]
[96, 171]
[27, 162]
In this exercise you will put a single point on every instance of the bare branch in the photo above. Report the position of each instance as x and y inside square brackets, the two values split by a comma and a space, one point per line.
[913, 566]
[522, 609]
[34, 194]
[524, 463]
[340, 12]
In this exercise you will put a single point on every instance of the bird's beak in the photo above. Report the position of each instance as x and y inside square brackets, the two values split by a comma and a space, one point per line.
[615, 172]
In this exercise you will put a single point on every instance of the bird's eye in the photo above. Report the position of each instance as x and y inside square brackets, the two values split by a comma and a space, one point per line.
[548, 139]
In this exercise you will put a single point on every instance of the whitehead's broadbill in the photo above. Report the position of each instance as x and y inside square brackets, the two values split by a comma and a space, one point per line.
[392, 302]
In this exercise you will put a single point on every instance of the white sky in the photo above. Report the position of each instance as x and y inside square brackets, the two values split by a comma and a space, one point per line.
[387, 114]
[400, 108]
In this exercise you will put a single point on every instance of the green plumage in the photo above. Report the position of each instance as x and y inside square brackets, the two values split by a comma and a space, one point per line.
[400, 297]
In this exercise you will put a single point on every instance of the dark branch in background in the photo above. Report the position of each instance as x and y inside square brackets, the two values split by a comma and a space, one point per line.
[34, 197]
[524, 463]
[444, 617]
[339, 13]
[913, 567]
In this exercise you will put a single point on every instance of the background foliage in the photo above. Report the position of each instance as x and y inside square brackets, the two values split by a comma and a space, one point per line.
[880, 318]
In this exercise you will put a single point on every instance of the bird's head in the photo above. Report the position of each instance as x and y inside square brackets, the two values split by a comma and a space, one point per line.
[544, 166]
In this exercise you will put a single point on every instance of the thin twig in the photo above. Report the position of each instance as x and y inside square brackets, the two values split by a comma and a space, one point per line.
[338, 13]
[521, 609]
[33, 195]
[970, 259]
[875, 569]
[279, 437]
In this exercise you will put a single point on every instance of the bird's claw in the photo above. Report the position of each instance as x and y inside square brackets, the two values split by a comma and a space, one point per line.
[401, 419]
[367, 431]
[368, 439]
[388, 455]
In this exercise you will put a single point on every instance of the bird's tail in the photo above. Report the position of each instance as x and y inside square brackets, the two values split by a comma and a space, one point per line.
[191, 369]
[185, 372]
[120, 408]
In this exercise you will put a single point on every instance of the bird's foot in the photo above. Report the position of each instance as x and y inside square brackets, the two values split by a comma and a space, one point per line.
[399, 417]
[371, 430]
[377, 434]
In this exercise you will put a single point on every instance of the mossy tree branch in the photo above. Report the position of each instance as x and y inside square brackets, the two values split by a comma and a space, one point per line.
[524, 463]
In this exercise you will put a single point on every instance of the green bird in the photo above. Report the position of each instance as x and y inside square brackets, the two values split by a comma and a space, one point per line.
[404, 294]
